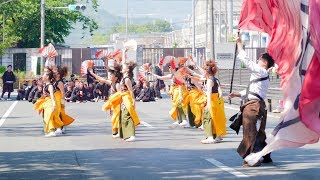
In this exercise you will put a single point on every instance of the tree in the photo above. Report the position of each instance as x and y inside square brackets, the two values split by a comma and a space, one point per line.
[22, 24]
[156, 26]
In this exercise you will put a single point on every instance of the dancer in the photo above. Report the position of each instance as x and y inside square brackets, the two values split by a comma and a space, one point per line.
[48, 105]
[214, 119]
[178, 93]
[254, 110]
[194, 98]
[129, 118]
[60, 73]
[114, 78]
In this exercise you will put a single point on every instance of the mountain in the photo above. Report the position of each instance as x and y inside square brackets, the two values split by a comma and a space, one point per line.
[111, 12]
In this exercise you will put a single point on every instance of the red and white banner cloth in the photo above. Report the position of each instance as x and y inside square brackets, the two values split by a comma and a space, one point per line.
[295, 46]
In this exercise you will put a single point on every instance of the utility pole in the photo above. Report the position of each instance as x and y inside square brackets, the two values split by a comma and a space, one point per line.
[226, 20]
[194, 54]
[212, 50]
[207, 24]
[42, 30]
[219, 24]
[127, 18]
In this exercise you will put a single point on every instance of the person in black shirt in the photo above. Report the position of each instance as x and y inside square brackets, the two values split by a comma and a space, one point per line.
[90, 90]
[137, 88]
[79, 94]
[159, 84]
[8, 79]
[68, 93]
[22, 91]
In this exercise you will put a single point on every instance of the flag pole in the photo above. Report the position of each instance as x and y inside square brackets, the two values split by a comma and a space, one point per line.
[234, 66]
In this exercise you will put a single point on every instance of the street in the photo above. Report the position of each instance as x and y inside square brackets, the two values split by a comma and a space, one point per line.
[88, 150]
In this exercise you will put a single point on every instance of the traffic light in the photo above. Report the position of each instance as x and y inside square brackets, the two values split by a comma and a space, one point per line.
[77, 7]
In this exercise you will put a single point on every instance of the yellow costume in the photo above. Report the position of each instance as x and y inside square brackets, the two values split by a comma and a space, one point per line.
[175, 94]
[65, 118]
[51, 116]
[218, 117]
[114, 103]
[196, 99]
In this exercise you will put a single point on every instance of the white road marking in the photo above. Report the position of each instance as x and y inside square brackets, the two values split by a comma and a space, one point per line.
[4, 117]
[238, 109]
[226, 168]
[146, 124]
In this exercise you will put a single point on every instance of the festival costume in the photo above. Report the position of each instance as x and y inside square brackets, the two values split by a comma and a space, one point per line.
[113, 104]
[51, 116]
[128, 116]
[65, 118]
[254, 110]
[179, 106]
[214, 119]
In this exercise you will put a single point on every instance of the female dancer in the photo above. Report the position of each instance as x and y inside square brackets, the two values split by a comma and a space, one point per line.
[129, 118]
[178, 93]
[48, 105]
[114, 75]
[60, 73]
[214, 119]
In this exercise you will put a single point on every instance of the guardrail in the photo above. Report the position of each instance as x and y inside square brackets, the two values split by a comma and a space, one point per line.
[273, 97]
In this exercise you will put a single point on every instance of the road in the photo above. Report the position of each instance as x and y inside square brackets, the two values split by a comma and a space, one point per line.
[161, 152]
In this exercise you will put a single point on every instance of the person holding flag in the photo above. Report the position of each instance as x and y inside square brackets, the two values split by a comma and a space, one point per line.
[254, 111]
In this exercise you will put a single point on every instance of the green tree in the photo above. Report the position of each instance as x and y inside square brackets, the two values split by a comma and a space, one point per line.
[156, 26]
[22, 22]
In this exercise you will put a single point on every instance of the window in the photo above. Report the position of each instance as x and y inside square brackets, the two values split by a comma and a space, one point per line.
[19, 61]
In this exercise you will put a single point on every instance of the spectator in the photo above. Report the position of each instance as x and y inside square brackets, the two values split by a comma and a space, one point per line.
[34, 90]
[79, 93]
[101, 91]
[22, 91]
[146, 93]
[137, 88]
[38, 93]
[29, 88]
[8, 79]
[90, 90]
[68, 93]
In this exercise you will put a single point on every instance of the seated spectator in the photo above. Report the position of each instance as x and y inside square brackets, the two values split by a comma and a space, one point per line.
[101, 91]
[29, 88]
[79, 93]
[146, 93]
[34, 90]
[22, 91]
[38, 93]
[90, 90]
[137, 88]
[68, 93]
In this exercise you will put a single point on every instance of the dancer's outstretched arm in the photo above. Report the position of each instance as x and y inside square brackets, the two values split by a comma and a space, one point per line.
[99, 78]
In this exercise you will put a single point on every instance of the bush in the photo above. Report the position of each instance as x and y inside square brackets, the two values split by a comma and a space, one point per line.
[2, 69]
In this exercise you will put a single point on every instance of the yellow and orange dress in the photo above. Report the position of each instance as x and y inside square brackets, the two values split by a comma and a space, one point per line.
[113, 104]
[179, 105]
[214, 120]
[65, 118]
[195, 100]
[51, 115]
[128, 116]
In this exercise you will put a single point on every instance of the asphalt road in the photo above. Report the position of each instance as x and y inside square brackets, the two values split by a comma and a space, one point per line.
[88, 151]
